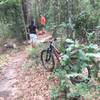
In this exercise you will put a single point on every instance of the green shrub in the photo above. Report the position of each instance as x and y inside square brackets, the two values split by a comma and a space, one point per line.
[11, 19]
[4, 31]
[85, 22]
[33, 52]
[83, 57]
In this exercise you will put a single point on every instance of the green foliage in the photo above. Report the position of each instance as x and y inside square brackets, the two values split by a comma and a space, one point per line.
[11, 18]
[4, 31]
[54, 94]
[82, 89]
[33, 57]
[74, 59]
[85, 21]
[32, 52]
[78, 52]
[90, 37]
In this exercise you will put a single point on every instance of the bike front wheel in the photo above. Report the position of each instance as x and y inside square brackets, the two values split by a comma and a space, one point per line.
[47, 60]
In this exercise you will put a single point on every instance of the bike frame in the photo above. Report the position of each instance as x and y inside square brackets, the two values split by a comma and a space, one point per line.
[54, 50]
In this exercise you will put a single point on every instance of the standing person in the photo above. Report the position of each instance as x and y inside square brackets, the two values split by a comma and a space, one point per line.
[33, 33]
[43, 22]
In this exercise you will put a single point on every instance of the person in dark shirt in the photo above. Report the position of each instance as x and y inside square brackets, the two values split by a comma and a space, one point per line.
[33, 33]
[32, 28]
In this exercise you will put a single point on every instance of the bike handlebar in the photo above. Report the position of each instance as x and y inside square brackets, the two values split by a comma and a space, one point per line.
[51, 40]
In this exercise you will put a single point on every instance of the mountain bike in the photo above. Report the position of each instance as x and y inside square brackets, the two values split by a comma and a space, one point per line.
[48, 56]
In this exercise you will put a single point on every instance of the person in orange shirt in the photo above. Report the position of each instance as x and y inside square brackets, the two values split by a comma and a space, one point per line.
[43, 22]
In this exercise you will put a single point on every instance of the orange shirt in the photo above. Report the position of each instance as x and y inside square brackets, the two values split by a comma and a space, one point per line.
[43, 20]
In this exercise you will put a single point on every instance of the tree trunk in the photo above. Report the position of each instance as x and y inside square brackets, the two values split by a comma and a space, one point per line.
[27, 6]
[23, 20]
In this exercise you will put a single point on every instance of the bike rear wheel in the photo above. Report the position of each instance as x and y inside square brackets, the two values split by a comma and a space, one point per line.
[47, 60]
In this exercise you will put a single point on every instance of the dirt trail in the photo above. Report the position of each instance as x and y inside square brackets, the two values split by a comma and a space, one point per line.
[8, 77]
[24, 84]
[17, 83]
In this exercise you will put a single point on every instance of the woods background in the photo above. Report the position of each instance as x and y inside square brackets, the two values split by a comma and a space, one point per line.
[63, 16]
